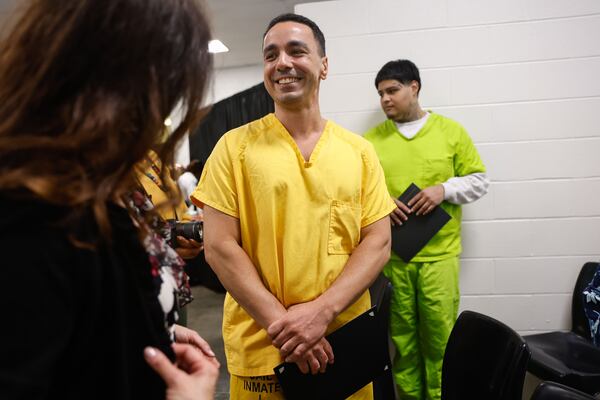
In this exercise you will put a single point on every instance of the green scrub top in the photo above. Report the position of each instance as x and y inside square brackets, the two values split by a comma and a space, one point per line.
[442, 149]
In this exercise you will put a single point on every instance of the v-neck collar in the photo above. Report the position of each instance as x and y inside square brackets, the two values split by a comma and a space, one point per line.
[419, 133]
[314, 155]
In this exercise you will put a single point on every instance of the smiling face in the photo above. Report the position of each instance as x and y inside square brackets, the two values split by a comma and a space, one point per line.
[293, 65]
[399, 101]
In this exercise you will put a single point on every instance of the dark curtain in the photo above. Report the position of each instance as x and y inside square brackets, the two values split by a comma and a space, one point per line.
[227, 114]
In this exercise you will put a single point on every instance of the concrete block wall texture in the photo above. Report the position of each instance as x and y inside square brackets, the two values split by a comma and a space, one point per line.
[522, 77]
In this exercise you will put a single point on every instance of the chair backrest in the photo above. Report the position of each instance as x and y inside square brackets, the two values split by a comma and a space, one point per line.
[484, 359]
[556, 391]
[579, 321]
[381, 294]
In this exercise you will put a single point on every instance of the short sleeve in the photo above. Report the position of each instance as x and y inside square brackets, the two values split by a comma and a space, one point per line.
[467, 160]
[375, 198]
[217, 186]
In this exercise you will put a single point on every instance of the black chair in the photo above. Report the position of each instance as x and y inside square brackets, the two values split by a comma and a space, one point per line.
[556, 391]
[569, 358]
[381, 293]
[484, 359]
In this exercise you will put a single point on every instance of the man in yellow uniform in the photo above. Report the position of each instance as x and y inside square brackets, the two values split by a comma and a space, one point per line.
[154, 181]
[296, 221]
[438, 155]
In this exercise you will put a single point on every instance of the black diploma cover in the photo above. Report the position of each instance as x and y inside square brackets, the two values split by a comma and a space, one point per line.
[410, 237]
[360, 353]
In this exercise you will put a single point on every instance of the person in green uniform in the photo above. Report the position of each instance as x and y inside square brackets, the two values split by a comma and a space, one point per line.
[437, 154]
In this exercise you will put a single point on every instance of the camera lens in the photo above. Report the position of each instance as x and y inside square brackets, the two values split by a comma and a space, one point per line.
[189, 230]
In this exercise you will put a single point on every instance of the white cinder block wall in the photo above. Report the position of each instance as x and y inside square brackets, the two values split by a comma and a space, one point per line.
[523, 76]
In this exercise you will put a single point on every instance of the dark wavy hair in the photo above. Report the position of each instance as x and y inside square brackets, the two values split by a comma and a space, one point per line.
[85, 87]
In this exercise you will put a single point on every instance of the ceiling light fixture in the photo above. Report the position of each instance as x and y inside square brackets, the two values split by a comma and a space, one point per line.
[216, 46]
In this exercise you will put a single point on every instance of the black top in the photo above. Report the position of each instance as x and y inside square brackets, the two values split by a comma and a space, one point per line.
[75, 321]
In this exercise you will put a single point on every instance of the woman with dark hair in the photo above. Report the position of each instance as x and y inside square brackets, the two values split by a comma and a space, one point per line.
[85, 86]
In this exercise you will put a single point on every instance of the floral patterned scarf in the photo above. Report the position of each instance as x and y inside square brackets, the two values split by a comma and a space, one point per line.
[167, 265]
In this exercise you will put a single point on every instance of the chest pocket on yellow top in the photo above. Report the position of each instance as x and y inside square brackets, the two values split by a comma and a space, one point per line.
[344, 227]
[437, 170]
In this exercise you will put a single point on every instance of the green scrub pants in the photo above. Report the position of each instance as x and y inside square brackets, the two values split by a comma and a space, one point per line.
[424, 307]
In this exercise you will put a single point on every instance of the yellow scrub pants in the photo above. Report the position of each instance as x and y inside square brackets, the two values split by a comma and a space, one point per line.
[424, 307]
[267, 388]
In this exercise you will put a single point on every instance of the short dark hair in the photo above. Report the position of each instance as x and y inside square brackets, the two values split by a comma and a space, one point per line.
[290, 17]
[404, 71]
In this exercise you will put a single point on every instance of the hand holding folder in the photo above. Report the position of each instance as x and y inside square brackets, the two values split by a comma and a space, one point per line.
[410, 237]
[361, 355]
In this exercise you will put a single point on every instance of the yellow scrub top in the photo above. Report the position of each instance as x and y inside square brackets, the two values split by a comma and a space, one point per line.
[299, 220]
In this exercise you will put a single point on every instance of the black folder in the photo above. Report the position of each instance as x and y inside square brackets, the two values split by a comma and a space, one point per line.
[414, 233]
[360, 352]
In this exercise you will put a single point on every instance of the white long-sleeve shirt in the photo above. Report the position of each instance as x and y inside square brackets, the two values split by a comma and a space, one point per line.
[465, 189]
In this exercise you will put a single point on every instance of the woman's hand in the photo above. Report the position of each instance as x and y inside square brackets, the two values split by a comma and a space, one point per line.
[193, 377]
[188, 248]
[188, 336]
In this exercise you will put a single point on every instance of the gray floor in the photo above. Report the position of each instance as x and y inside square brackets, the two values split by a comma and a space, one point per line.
[205, 315]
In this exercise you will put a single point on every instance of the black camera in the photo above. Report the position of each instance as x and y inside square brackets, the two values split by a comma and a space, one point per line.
[189, 230]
